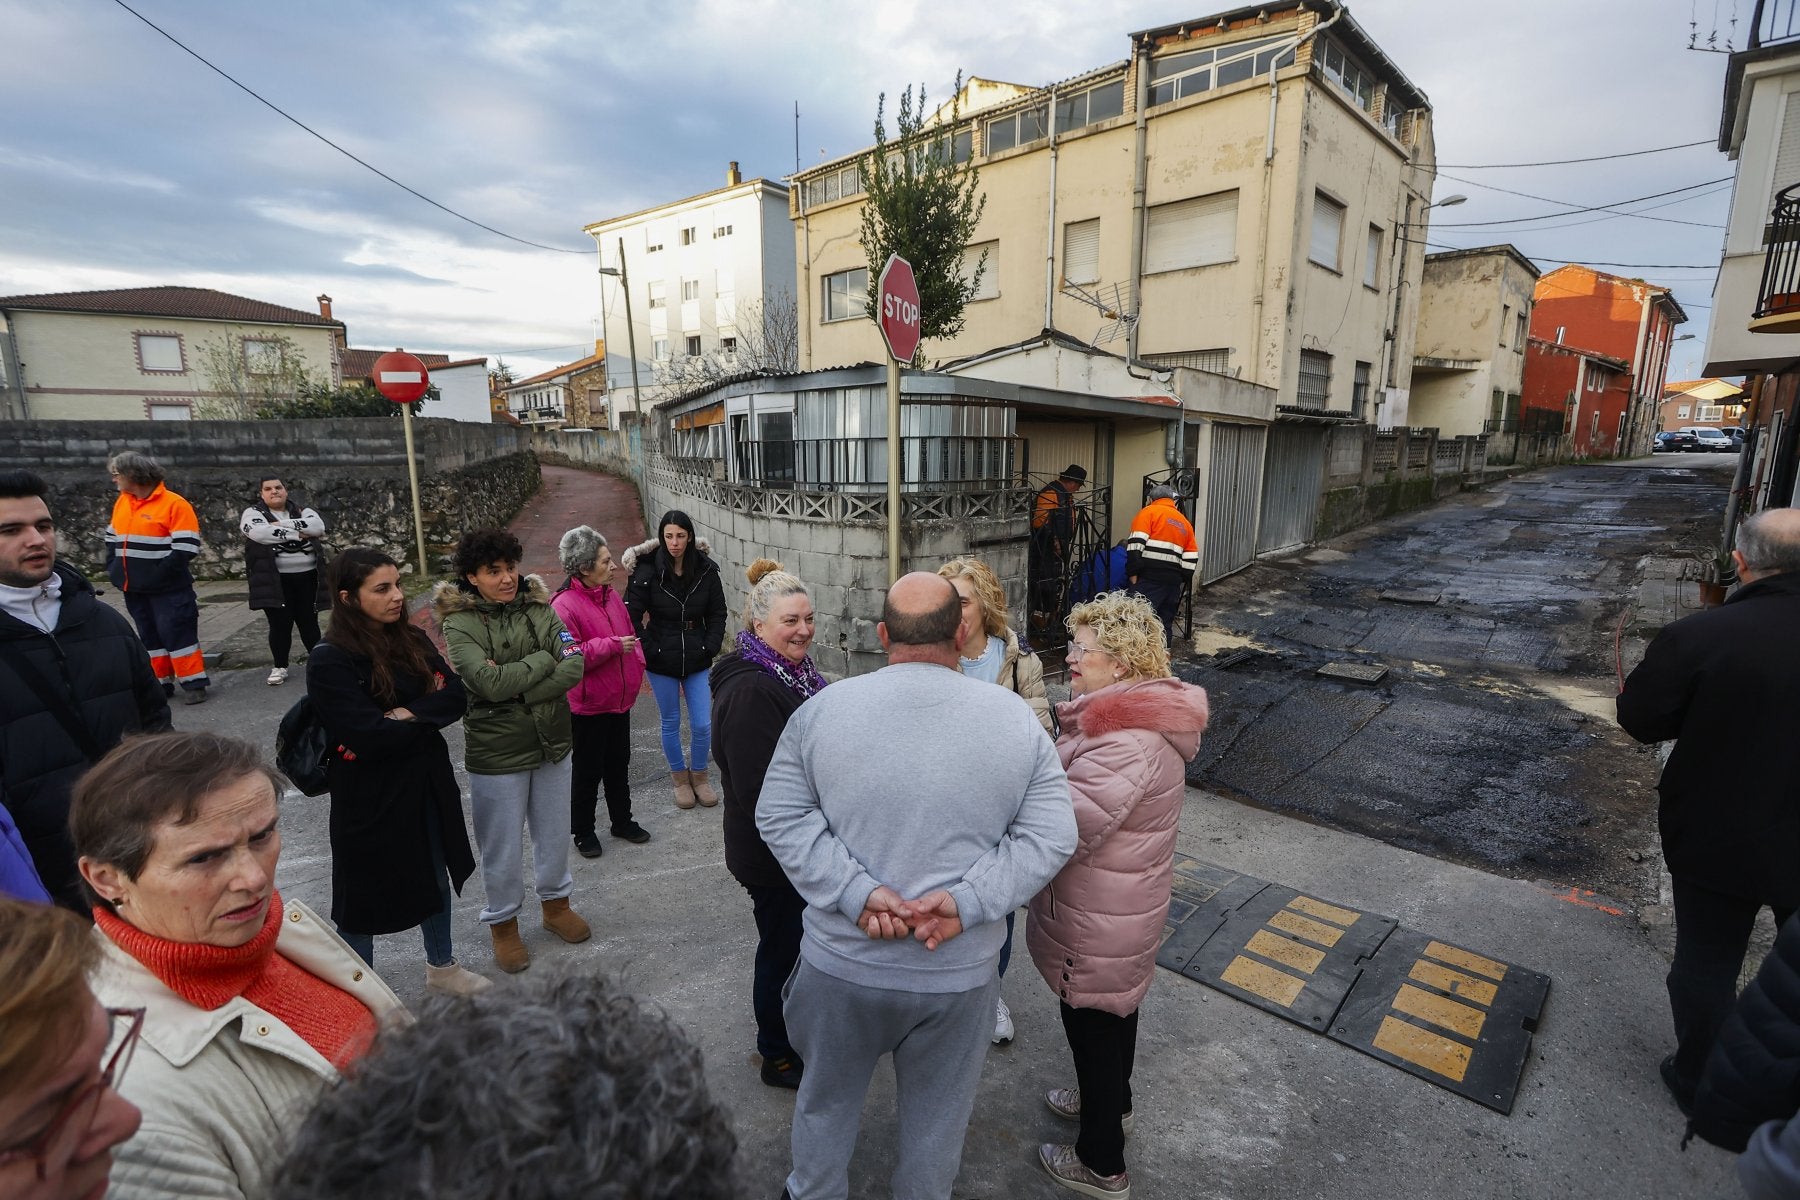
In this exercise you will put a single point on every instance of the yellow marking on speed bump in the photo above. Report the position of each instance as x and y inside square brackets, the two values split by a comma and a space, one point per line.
[1466, 960]
[1287, 953]
[1265, 981]
[1480, 991]
[1330, 912]
[1423, 1048]
[1450, 1014]
[1306, 927]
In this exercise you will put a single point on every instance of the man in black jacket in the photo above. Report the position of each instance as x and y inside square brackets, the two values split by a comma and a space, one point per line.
[1725, 684]
[74, 680]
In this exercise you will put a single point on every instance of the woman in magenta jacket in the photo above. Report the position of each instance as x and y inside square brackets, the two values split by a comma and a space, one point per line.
[1127, 735]
[600, 705]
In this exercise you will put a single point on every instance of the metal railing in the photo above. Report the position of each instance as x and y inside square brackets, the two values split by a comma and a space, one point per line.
[1779, 291]
[1774, 21]
[860, 464]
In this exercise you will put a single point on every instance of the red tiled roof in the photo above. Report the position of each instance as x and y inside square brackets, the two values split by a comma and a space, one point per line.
[360, 364]
[565, 369]
[200, 303]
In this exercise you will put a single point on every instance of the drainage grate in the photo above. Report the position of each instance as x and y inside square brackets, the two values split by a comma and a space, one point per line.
[1353, 671]
[1235, 658]
[1409, 596]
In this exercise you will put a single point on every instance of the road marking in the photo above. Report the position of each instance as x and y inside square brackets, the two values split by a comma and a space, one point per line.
[1275, 986]
[1422, 1048]
[1330, 912]
[1454, 982]
[1467, 960]
[1313, 931]
[1285, 951]
[1448, 1014]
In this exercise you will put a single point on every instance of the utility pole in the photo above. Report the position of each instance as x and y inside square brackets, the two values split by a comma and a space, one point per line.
[637, 394]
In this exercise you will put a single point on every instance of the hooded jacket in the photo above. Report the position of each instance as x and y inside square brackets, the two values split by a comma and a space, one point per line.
[750, 708]
[597, 619]
[150, 543]
[1095, 930]
[686, 612]
[94, 659]
[1753, 1074]
[517, 663]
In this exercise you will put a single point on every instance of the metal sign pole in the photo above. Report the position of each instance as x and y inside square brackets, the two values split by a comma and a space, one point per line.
[893, 468]
[412, 475]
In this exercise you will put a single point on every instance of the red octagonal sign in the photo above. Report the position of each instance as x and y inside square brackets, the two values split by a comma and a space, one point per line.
[400, 376]
[899, 315]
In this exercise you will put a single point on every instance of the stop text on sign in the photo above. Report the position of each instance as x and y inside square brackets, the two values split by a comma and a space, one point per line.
[898, 308]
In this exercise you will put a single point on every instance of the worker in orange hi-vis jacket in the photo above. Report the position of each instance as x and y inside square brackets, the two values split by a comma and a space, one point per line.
[1161, 555]
[153, 537]
[1052, 531]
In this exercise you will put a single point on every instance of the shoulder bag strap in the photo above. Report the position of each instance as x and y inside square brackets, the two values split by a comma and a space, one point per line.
[50, 698]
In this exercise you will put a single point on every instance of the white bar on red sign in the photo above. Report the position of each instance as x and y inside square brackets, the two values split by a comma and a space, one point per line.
[400, 377]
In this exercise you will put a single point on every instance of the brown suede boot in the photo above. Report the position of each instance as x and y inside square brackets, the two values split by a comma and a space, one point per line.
[703, 790]
[684, 790]
[510, 954]
[565, 922]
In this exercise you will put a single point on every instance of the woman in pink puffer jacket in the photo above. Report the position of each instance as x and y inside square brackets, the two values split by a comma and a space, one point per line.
[1127, 736]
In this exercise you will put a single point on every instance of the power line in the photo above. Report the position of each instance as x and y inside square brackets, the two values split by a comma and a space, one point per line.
[1612, 206]
[1563, 162]
[1588, 262]
[347, 154]
[1638, 212]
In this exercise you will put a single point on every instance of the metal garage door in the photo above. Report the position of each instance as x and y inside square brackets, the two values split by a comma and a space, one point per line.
[1290, 490]
[1233, 489]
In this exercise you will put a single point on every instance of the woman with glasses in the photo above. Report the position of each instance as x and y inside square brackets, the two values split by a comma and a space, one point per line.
[1127, 734]
[253, 1006]
[62, 1057]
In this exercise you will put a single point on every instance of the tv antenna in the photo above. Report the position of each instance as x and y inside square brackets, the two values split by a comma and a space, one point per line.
[1114, 303]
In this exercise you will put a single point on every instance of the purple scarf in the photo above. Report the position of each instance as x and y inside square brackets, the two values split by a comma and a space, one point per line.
[803, 680]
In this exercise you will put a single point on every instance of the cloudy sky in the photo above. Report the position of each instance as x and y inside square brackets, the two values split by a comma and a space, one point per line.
[125, 162]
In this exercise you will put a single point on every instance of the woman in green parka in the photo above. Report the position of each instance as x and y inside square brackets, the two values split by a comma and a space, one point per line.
[517, 663]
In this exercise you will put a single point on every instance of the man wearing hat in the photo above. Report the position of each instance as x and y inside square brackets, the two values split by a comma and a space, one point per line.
[1052, 530]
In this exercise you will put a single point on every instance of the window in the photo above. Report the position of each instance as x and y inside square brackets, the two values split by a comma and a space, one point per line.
[657, 298]
[1315, 379]
[1016, 129]
[1327, 231]
[160, 352]
[845, 295]
[1191, 233]
[1372, 259]
[171, 412]
[652, 242]
[1505, 315]
[1559, 333]
[989, 286]
[1217, 361]
[1081, 251]
[1359, 391]
[1085, 108]
[690, 289]
[722, 231]
[1712, 412]
[1520, 330]
[1391, 113]
[660, 349]
[728, 344]
[693, 345]
[690, 235]
[838, 185]
[1196, 71]
[1351, 76]
[262, 357]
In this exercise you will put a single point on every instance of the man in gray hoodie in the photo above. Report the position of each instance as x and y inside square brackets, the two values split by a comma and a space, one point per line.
[912, 809]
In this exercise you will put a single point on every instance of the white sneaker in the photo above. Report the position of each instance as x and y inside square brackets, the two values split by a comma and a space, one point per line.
[277, 677]
[1003, 1026]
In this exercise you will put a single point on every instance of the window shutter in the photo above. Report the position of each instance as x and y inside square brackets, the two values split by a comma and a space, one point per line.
[1192, 233]
[989, 287]
[1081, 251]
[1327, 230]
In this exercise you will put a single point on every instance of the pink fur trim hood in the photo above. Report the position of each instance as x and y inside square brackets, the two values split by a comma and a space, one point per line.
[1170, 707]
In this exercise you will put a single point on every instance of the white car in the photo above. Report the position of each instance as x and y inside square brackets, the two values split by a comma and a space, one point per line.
[1712, 439]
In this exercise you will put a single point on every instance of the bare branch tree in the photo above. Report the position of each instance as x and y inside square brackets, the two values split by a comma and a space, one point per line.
[248, 372]
[768, 342]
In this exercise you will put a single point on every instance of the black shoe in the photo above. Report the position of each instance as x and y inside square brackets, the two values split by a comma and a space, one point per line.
[1684, 1096]
[194, 696]
[631, 831]
[783, 1072]
[588, 845]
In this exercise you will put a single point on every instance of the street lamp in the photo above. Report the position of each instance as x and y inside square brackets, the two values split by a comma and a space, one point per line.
[637, 395]
[1402, 241]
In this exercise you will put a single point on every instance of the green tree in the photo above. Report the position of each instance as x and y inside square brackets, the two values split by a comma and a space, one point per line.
[359, 399]
[247, 370]
[923, 205]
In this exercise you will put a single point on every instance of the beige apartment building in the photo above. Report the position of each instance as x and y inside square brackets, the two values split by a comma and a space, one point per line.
[1469, 361]
[1244, 194]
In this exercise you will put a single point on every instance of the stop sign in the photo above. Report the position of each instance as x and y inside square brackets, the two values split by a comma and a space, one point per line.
[899, 315]
[400, 376]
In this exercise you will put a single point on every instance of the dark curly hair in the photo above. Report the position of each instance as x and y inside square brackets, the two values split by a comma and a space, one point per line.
[480, 547]
[564, 1088]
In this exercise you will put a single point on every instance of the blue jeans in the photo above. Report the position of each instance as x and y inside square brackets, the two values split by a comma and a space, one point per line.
[435, 929]
[669, 691]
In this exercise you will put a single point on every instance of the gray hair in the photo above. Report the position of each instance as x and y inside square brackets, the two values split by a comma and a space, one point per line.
[1163, 491]
[768, 583]
[580, 549]
[1770, 541]
[552, 1089]
[136, 467]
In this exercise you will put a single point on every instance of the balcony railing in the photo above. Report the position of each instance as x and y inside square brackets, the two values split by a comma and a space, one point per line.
[1778, 295]
[1774, 21]
[860, 464]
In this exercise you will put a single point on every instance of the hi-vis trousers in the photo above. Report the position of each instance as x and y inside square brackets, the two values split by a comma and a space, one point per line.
[169, 624]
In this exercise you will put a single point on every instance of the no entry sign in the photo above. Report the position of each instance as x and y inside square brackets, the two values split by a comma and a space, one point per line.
[400, 376]
[899, 315]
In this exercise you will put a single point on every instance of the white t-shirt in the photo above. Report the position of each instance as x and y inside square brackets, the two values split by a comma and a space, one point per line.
[987, 667]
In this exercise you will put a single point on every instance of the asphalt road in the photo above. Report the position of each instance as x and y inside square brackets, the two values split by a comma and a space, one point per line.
[1232, 1102]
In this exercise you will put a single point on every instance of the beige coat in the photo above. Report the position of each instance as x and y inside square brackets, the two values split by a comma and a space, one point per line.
[222, 1090]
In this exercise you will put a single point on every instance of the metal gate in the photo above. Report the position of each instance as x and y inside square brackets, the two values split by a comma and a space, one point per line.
[1290, 487]
[1233, 488]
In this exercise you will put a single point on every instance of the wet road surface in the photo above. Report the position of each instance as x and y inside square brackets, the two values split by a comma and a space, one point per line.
[1490, 741]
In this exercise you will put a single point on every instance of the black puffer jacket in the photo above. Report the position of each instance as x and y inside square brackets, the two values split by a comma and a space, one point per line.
[750, 708]
[686, 611]
[96, 660]
[1753, 1075]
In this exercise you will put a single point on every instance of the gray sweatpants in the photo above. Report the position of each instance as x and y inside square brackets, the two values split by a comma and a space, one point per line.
[939, 1041]
[503, 805]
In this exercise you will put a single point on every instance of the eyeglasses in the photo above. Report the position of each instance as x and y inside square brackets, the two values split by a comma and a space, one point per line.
[76, 1116]
[1076, 650]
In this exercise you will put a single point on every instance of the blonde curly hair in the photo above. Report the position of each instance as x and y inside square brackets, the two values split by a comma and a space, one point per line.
[1127, 628]
[987, 588]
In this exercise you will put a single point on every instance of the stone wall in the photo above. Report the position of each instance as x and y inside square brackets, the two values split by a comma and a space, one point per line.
[353, 471]
[842, 562]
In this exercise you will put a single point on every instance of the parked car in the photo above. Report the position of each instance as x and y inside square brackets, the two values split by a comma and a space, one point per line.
[1737, 436]
[1712, 439]
[1674, 442]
